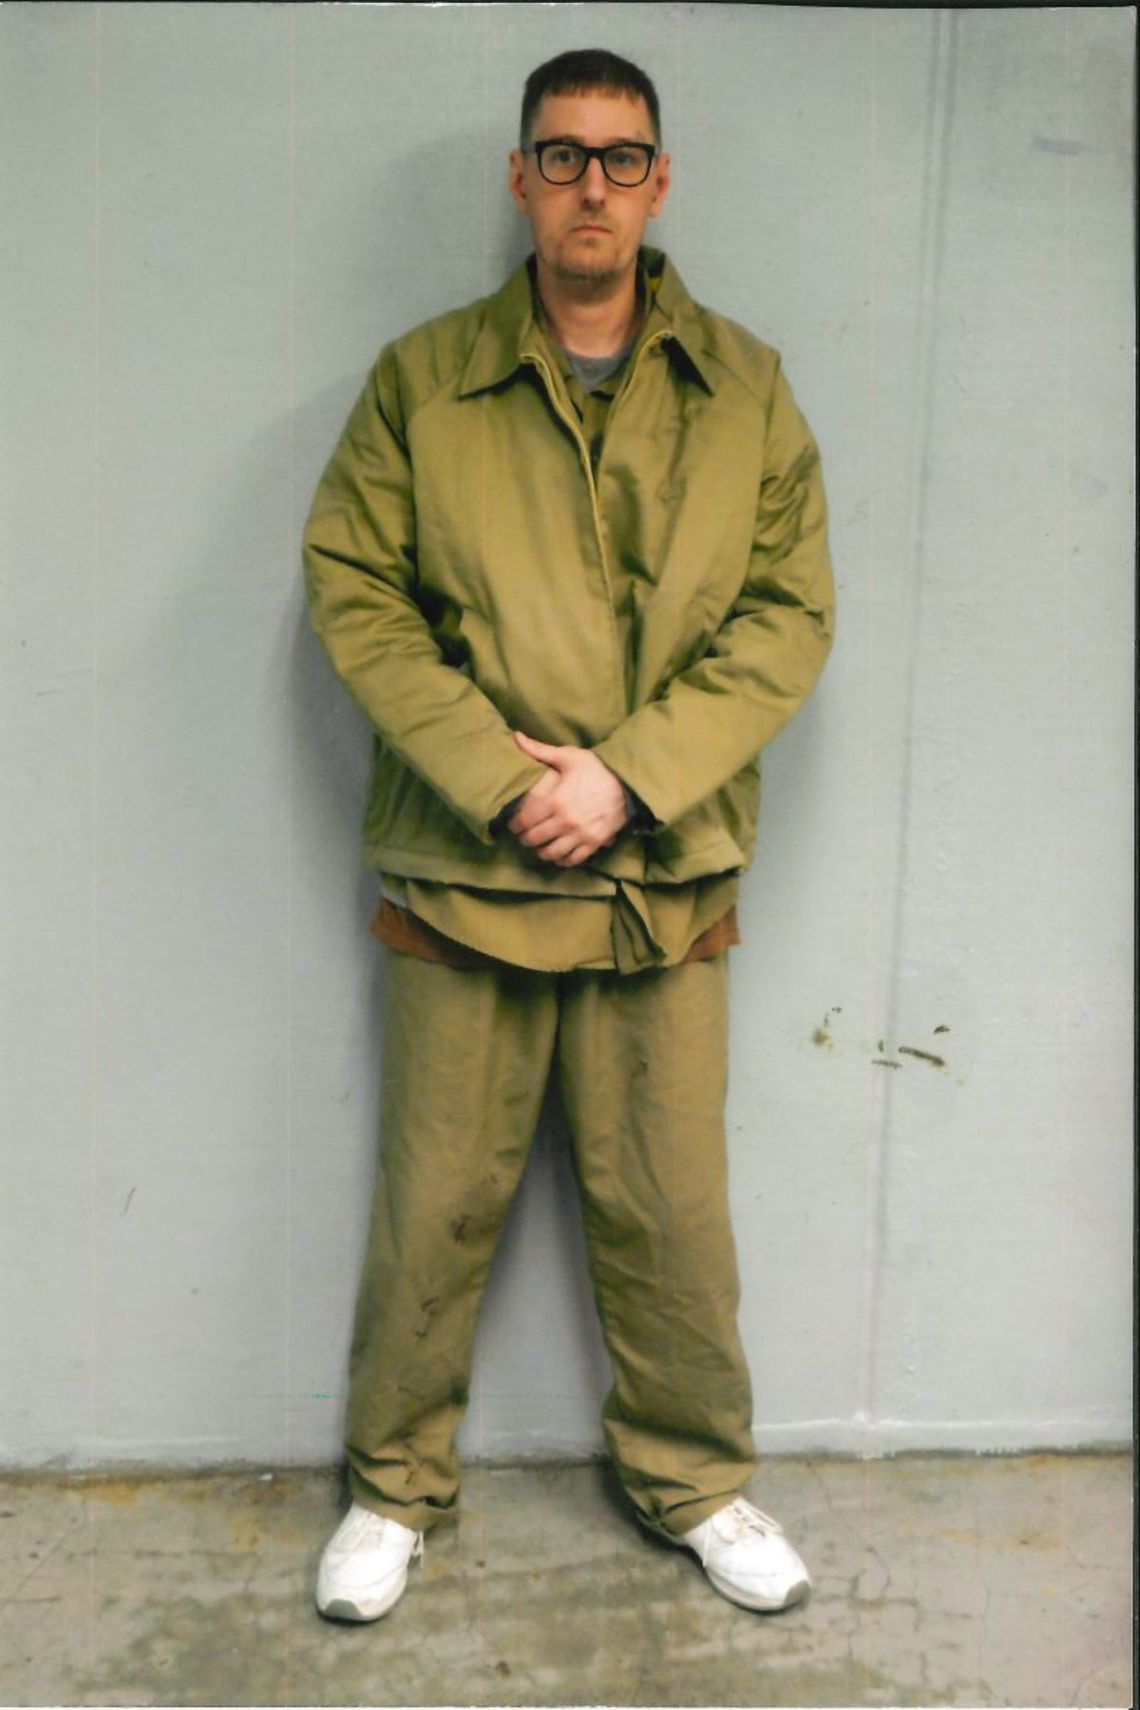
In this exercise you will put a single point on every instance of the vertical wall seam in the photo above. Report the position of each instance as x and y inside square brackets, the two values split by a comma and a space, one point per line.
[936, 164]
[487, 283]
[1067, 625]
[676, 104]
[290, 723]
[93, 1146]
[875, 1122]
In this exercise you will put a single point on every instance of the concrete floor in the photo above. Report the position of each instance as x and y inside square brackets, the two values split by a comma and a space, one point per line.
[939, 1580]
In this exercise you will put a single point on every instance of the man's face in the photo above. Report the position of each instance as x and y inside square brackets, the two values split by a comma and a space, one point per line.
[588, 233]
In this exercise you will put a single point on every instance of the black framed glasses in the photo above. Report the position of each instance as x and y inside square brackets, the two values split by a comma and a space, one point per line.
[625, 163]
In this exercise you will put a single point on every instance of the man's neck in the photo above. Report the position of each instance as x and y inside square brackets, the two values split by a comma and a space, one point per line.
[589, 322]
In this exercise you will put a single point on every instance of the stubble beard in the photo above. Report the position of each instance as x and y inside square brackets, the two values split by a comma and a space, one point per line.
[598, 279]
[587, 275]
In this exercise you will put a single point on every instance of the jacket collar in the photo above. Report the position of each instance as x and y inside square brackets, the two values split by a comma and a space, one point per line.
[505, 341]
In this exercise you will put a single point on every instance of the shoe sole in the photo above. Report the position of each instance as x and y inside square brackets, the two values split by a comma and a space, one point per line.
[343, 1609]
[340, 1609]
[761, 1606]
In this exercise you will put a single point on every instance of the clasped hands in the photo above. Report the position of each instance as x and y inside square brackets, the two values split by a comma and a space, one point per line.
[577, 807]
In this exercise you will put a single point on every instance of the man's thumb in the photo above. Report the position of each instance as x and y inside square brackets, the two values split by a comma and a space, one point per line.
[548, 752]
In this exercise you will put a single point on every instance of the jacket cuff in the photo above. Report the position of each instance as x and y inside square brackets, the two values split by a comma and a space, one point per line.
[529, 772]
[499, 822]
[640, 820]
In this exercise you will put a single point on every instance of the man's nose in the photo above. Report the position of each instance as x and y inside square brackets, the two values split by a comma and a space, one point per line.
[593, 183]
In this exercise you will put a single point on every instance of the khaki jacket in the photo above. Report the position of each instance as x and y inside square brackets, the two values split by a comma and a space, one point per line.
[461, 559]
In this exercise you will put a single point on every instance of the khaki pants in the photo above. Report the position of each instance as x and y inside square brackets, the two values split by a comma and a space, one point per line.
[641, 1061]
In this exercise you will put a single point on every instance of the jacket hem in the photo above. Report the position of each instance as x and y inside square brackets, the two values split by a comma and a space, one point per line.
[501, 871]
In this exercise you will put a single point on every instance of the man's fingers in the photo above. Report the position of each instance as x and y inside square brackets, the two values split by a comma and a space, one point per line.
[543, 831]
[577, 856]
[565, 851]
[537, 811]
[552, 824]
[530, 808]
[574, 847]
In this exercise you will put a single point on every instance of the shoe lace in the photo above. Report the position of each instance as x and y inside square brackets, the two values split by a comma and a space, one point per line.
[369, 1527]
[365, 1526]
[738, 1519]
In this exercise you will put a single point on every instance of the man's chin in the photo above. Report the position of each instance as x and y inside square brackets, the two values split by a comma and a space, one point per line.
[599, 274]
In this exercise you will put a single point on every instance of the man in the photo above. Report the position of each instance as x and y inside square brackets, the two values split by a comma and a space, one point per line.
[570, 557]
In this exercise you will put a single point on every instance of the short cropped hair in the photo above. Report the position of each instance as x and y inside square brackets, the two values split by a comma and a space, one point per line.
[584, 69]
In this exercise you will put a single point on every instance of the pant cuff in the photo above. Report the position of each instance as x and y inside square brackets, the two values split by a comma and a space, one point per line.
[418, 1515]
[686, 1515]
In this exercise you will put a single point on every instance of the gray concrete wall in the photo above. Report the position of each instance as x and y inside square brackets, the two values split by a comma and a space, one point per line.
[212, 217]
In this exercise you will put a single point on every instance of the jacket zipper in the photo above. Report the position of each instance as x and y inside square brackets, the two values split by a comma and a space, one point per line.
[584, 457]
[583, 453]
[583, 448]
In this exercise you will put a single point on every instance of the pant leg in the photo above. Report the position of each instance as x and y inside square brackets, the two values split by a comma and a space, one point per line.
[466, 1055]
[643, 1067]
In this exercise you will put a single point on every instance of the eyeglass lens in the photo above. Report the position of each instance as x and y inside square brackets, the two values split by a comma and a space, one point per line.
[625, 163]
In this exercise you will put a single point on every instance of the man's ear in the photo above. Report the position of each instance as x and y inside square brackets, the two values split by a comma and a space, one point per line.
[516, 162]
[662, 166]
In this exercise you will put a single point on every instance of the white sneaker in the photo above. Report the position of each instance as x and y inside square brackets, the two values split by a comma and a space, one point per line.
[747, 1557]
[365, 1566]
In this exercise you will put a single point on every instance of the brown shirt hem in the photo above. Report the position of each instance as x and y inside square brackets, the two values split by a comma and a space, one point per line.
[401, 930]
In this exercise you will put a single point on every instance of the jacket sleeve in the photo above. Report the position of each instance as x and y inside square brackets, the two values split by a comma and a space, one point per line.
[361, 582]
[713, 718]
